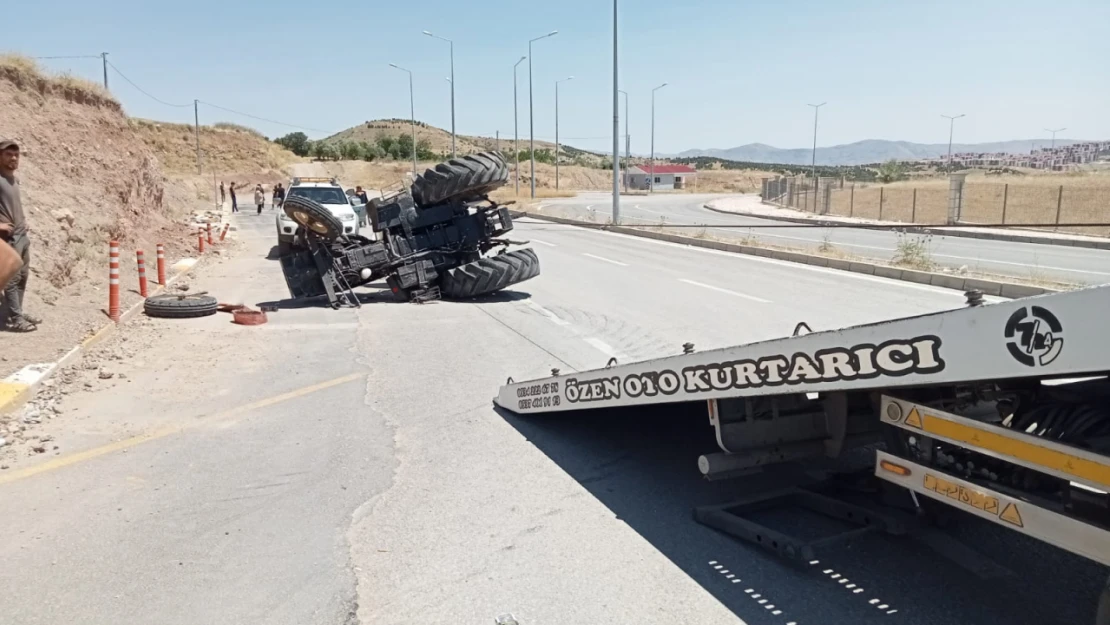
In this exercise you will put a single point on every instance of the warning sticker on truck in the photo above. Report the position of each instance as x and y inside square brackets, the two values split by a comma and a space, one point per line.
[972, 498]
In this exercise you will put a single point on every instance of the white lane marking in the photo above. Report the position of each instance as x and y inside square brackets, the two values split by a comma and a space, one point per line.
[603, 259]
[603, 347]
[547, 313]
[300, 327]
[535, 240]
[720, 290]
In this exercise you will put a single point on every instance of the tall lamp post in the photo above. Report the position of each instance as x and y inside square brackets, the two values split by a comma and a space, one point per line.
[452, 44]
[627, 140]
[412, 115]
[813, 160]
[951, 128]
[616, 123]
[557, 129]
[531, 119]
[1054, 131]
[516, 129]
[651, 175]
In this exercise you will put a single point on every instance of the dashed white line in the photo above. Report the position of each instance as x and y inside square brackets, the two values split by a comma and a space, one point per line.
[534, 240]
[546, 313]
[603, 347]
[603, 259]
[720, 290]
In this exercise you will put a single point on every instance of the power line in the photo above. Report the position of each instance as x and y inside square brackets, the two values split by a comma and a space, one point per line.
[262, 119]
[132, 83]
[65, 57]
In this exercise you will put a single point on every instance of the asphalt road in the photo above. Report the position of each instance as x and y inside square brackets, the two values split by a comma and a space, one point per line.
[1027, 260]
[348, 466]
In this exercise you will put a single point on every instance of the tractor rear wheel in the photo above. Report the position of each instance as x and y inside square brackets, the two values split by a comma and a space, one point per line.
[461, 179]
[490, 274]
[313, 217]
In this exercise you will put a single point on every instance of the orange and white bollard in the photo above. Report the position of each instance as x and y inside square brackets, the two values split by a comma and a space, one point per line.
[161, 264]
[113, 280]
[209, 229]
[142, 271]
[224, 233]
[200, 241]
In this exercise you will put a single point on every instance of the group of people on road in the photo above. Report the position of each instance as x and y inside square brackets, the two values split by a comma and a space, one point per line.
[259, 196]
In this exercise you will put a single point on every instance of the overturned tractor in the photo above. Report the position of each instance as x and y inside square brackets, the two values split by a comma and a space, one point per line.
[443, 237]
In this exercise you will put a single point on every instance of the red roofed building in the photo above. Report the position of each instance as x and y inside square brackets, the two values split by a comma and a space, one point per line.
[667, 176]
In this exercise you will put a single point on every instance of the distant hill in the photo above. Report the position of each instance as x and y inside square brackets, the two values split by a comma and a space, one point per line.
[864, 152]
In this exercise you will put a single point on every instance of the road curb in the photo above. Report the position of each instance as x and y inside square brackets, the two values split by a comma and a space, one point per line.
[949, 281]
[955, 232]
[18, 388]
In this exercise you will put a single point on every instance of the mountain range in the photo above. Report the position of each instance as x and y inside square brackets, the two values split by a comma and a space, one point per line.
[864, 152]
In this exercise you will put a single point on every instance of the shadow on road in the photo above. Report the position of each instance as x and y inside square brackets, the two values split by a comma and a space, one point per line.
[380, 294]
[641, 464]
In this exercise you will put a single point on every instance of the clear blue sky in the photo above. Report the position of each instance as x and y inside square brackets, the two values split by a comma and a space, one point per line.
[739, 71]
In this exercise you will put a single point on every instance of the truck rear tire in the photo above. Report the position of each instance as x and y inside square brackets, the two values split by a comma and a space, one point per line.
[490, 274]
[312, 217]
[463, 178]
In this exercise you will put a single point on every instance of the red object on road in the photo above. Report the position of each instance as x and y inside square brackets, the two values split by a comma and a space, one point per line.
[161, 264]
[200, 241]
[209, 229]
[224, 233]
[113, 280]
[142, 272]
[247, 317]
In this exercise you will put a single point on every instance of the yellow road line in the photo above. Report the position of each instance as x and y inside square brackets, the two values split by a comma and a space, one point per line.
[1010, 445]
[164, 431]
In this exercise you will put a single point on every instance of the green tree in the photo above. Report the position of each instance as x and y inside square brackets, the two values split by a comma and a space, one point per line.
[424, 150]
[350, 150]
[386, 144]
[370, 151]
[295, 142]
[891, 171]
[402, 148]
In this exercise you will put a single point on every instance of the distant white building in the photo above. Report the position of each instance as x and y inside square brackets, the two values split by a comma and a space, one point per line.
[667, 176]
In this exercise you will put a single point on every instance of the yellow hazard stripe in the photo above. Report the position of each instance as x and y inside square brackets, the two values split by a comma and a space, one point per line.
[1031, 453]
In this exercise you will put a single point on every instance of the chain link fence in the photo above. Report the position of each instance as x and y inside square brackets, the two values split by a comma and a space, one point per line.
[1010, 203]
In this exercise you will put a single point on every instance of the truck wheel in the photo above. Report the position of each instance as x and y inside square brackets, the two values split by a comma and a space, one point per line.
[490, 274]
[313, 217]
[180, 306]
[463, 178]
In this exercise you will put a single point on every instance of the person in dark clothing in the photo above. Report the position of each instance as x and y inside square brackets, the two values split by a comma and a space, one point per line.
[362, 197]
[13, 230]
[222, 194]
[234, 204]
[279, 195]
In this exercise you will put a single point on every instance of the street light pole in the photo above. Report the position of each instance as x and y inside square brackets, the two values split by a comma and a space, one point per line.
[531, 119]
[1054, 131]
[651, 175]
[616, 123]
[516, 131]
[951, 128]
[412, 115]
[627, 140]
[452, 44]
[557, 129]
[813, 162]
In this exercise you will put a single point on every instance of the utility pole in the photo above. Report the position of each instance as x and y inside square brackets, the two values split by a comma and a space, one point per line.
[498, 140]
[196, 131]
[813, 162]
[557, 129]
[616, 124]
[627, 140]
[1054, 131]
[951, 127]
[104, 63]
[452, 43]
[651, 174]
[516, 130]
[531, 120]
[412, 115]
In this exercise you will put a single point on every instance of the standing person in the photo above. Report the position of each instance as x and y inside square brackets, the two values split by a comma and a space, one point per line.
[259, 198]
[222, 197]
[13, 229]
[364, 199]
[279, 195]
[234, 204]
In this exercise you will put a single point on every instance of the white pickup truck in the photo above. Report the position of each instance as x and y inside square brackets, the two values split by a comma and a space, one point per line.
[324, 191]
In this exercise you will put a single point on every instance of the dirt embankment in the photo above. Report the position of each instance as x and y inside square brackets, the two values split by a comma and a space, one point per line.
[89, 175]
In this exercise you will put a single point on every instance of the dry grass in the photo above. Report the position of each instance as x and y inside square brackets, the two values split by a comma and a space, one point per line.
[225, 148]
[1030, 199]
[27, 75]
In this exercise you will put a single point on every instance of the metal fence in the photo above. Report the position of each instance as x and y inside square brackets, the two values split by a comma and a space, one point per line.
[1012, 203]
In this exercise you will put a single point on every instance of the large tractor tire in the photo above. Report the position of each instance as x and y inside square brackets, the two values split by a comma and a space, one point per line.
[313, 217]
[490, 274]
[461, 179]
